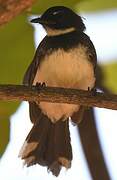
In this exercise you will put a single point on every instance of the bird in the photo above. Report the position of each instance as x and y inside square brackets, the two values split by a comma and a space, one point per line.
[66, 57]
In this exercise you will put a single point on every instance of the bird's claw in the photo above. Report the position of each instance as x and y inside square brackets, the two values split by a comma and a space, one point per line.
[40, 85]
[94, 90]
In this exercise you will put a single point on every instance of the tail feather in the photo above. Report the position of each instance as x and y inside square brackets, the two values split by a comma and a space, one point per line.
[49, 145]
[59, 151]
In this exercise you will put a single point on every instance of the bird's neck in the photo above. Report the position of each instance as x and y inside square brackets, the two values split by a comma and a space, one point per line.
[58, 32]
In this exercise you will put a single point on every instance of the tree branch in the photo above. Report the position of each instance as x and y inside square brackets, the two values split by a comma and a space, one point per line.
[58, 95]
[11, 8]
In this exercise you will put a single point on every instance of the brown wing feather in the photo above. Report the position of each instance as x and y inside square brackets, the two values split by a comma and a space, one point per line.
[92, 57]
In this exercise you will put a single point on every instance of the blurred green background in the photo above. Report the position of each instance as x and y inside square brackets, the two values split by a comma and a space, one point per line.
[17, 50]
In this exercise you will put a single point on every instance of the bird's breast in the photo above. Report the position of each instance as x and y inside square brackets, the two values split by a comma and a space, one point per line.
[69, 69]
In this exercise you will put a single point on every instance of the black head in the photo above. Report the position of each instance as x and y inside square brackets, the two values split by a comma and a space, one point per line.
[60, 17]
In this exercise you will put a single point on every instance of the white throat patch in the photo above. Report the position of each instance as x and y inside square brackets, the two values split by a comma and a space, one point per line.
[54, 32]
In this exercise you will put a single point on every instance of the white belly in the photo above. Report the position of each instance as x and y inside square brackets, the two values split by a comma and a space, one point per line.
[65, 69]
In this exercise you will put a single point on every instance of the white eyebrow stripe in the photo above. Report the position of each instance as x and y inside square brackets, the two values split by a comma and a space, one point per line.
[54, 13]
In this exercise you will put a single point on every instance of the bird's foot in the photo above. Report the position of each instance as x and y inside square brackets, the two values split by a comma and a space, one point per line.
[40, 85]
[93, 90]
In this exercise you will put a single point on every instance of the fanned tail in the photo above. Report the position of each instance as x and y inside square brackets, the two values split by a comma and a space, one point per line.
[48, 144]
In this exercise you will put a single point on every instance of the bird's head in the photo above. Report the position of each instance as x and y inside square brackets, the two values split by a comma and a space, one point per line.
[59, 20]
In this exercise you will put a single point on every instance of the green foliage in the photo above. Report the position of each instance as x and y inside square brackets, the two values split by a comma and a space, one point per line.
[16, 52]
[82, 5]
[16, 45]
[4, 134]
[17, 49]
[40, 6]
[110, 76]
[96, 5]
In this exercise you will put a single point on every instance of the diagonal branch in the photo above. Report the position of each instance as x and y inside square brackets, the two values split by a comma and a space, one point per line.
[58, 95]
[11, 8]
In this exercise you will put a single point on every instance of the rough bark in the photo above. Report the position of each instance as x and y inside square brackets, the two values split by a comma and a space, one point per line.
[11, 8]
[59, 95]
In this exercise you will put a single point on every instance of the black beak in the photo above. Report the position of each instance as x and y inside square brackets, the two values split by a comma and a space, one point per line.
[41, 21]
[37, 20]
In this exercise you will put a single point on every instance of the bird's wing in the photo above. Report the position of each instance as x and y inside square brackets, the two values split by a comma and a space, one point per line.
[92, 57]
[32, 69]
[91, 52]
[34, 110]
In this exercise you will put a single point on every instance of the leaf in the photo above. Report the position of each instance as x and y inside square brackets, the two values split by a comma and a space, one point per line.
[16, 52]
[80, 5]
[40, 6]
[4, 134]
[110, 76]
[96, 5]
[17, 49]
